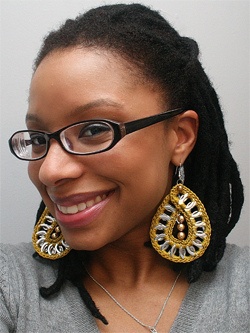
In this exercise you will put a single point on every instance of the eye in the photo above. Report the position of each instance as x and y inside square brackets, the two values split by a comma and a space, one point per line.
[94, 130]
[37, 139]
[87, 137]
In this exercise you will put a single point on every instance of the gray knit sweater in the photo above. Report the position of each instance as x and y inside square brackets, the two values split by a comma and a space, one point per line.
[217, 303]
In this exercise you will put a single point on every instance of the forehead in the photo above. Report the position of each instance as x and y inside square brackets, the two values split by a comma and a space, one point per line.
[71, 61]
[69, 79]
[74, 60]
[73, 73]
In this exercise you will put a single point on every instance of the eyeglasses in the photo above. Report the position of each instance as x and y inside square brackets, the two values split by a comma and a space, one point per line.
[81, 138]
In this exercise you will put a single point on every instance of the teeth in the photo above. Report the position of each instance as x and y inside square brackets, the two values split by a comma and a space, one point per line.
[98, 199]
[82, 206]
[90, 203]
[72, 209]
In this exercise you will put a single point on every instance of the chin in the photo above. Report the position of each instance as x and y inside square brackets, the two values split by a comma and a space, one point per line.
[84, 245]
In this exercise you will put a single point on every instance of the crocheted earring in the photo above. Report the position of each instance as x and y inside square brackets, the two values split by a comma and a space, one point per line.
[47, 238]
[180, 230]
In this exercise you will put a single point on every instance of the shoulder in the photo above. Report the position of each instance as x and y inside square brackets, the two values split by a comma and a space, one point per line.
[236, 252]
[16, 253]
[225, 292]
[218, 301]
[22, 307]
[235, 264]
[15, 257]
[19, 256]
[18, 266]
[20, 277]
[21, 271]
[229, 280]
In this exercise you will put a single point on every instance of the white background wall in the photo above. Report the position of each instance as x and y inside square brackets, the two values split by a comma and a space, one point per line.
[221, 28]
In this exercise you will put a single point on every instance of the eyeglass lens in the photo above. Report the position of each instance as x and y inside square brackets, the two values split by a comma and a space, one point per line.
[82, 138]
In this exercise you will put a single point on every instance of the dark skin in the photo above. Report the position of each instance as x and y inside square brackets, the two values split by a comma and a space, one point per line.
[122, 186]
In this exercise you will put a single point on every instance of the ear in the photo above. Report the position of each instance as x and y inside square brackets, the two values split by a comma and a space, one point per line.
[186, 129]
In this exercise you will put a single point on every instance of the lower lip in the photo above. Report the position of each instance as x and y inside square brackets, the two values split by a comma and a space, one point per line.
[83, 218]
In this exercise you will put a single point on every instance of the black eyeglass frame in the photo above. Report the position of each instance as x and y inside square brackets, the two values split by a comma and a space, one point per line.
[120, 130]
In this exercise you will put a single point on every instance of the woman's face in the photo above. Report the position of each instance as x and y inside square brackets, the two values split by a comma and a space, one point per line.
[100, 198]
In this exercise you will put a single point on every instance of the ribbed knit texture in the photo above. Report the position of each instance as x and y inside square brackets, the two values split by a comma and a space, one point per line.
[217, 303]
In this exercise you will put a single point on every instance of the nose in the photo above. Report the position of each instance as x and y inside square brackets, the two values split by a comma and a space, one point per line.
[59, 166]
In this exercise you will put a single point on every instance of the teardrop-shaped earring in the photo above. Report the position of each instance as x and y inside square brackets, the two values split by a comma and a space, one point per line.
[47, 238]
[180, 230]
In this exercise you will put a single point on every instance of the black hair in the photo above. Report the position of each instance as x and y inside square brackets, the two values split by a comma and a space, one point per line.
[146, 40]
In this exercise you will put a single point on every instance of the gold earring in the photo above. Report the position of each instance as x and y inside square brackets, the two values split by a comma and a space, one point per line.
[180, 230]
[47, 238]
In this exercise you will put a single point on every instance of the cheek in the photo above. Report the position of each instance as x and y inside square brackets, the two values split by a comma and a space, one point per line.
[33, 172]
[142, 167]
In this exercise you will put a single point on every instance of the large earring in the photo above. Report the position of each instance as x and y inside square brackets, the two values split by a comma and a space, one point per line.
[47, 238]
[180, 230]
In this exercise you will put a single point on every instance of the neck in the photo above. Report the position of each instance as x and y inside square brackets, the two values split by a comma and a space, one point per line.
[140, 280]
[129, 265]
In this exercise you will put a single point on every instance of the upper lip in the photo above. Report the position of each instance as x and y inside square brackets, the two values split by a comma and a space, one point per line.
[76, 199]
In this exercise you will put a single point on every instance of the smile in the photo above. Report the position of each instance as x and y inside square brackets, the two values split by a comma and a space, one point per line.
[81, 206]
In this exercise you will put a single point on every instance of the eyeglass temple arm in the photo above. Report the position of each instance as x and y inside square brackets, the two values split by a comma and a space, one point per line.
[135, 125]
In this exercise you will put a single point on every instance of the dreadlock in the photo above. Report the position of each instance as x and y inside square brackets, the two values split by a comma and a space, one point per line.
[145, 39]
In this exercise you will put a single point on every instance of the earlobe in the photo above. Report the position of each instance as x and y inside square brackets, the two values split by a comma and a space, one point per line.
[187, 125]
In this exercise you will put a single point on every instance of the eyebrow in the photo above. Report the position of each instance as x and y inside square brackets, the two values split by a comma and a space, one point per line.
[102, 102]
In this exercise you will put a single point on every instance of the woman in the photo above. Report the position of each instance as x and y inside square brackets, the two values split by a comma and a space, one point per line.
[128, 150]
